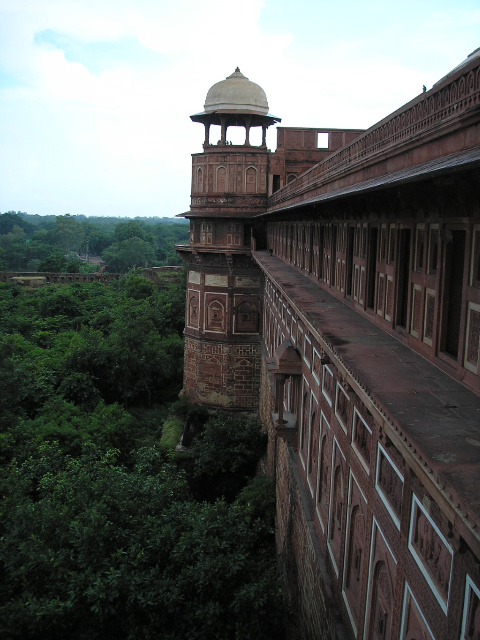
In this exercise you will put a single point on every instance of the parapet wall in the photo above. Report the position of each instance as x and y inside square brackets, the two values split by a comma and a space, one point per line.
[158, 275]
[432, 122]
[58, 278]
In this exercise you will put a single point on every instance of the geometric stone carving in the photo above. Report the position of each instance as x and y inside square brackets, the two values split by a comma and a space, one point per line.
[215, 312]
[471, 612]
[416, 317]
[389, 484]
[361, 439]
[193, 308]
[305, 426]
[414, 624]
[389, 299]
[382, 574]
[323, 472]
[380, 294]
[246, 314]
[355, 552]
[472, 343]
[313, 446]
[431, 551]
[429, 316]
[316, 366]
[342, 402]
[328, 384]
[337, 505]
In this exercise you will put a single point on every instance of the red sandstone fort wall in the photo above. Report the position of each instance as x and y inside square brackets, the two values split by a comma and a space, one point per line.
[398, 561]
[222, 374]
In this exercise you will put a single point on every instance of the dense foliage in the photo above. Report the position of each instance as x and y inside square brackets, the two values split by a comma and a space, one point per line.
[101, 532]
[87, 343]
[91, 549]
[226, 453]
[55, 243]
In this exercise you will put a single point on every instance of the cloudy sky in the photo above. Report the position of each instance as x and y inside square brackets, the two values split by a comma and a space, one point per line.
[95, 95]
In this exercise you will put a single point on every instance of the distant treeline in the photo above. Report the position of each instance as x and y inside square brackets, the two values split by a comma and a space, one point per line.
[67, 243]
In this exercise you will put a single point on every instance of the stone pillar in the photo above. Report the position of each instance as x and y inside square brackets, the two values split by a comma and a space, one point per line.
[223, 136]
[247, 132]
[280, 378]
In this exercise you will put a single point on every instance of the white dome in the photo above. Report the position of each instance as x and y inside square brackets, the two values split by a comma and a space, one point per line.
[236, 93]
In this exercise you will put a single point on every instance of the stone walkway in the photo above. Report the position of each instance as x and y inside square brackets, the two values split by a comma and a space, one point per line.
[440, 417]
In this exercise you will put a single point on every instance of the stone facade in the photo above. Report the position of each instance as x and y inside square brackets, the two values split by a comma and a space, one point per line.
[364, 261]
[222, 374]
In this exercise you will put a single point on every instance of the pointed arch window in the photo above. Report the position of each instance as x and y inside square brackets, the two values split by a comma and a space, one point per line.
[221, 180]
[251, 180]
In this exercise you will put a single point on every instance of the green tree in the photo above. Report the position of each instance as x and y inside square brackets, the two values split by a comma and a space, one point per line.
[132, 229]
[128, 254]
[138, 287]
[40, 246]
[68, 233]
[14, 248]
[226, 454]
[11, 219]
[26, 379]
[92, 550]
[74, 425]
[54, 262]
[94, 239]
[148, 363]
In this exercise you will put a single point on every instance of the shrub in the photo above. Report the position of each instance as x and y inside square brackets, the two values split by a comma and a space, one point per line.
[258, 498]
[171, 433]
[229, 444]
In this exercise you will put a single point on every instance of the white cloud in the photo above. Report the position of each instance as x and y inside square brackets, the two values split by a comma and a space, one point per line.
[118, 140]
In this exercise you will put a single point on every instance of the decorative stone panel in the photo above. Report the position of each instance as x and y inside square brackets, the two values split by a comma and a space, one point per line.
[342, 402]
[328, 384]
[338, 502]
[215, 312]
[472, 343]
[471, 612]
[222, 375]
[193, 309]
[414, 624]
[246, 314]
[356, 553]
[429, 316]
[431, 552]
[389, 484]
[381, 584]
[416, 320]
[323, 477]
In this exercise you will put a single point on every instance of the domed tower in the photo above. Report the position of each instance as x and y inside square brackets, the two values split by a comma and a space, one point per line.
[229, 187]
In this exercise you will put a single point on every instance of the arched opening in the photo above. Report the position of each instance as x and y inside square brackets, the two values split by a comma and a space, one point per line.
[215, 315]
[199, 184]
[251, 180]
[221, 180]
